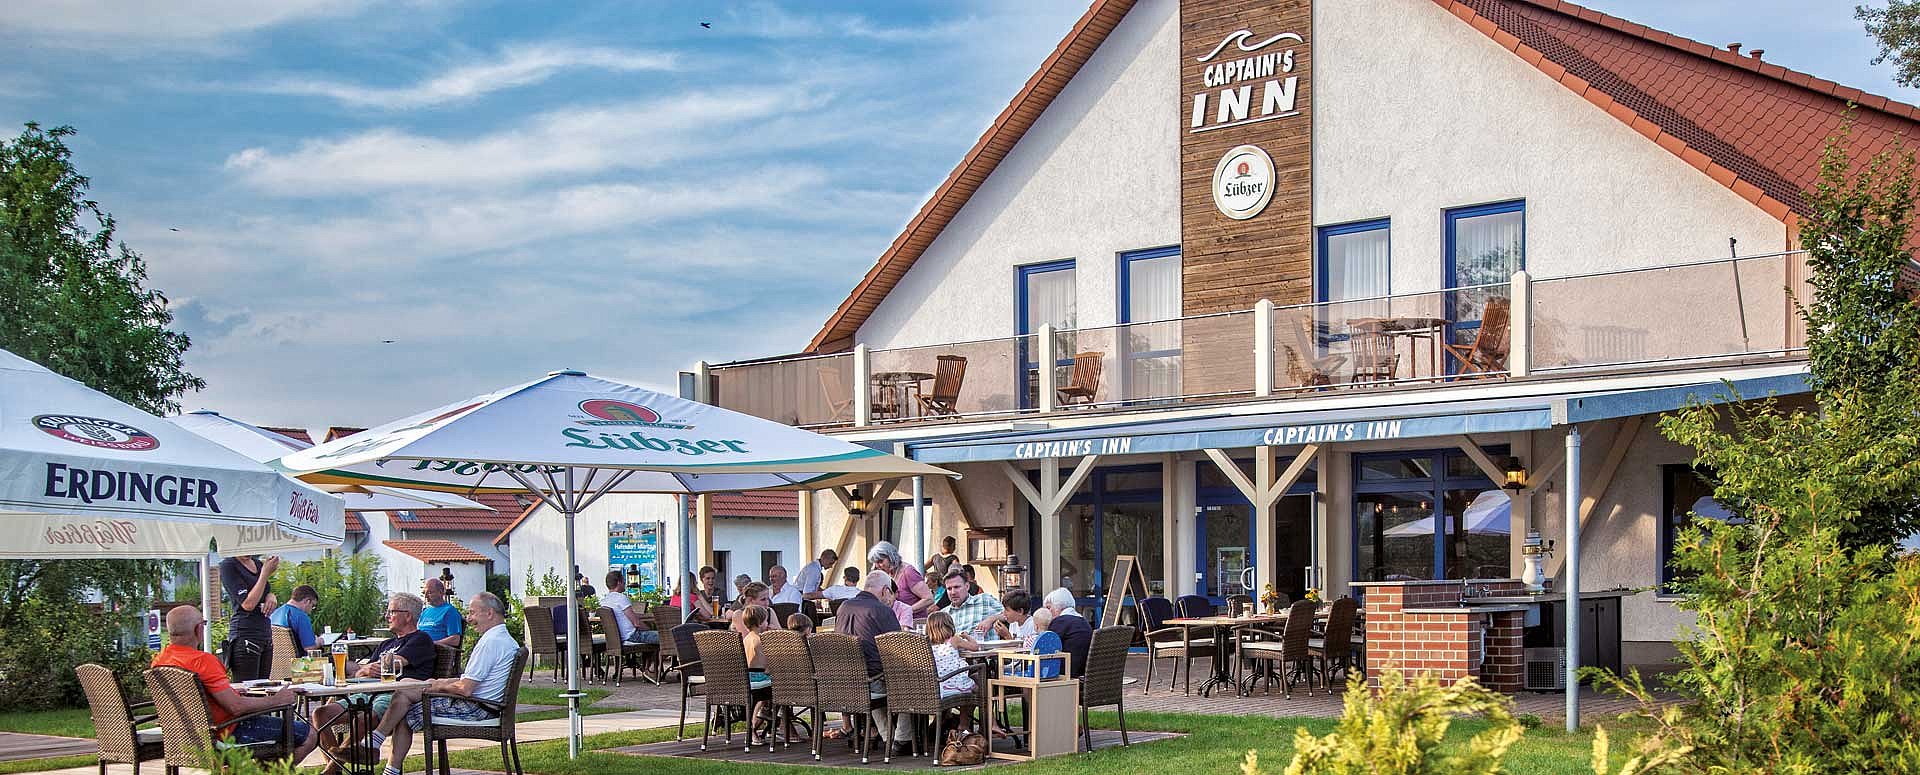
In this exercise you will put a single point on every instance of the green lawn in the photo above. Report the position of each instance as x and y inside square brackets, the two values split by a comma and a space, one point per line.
[76, 722]
[1213, 744]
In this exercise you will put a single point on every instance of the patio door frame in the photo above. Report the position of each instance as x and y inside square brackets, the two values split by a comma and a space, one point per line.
[1215, 497]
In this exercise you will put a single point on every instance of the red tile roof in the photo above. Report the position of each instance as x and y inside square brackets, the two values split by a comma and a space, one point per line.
[508, 508]
[355, 524]
[436, 551]
[728, 504]
[296, 433]
[337, 431]
[1752, 125]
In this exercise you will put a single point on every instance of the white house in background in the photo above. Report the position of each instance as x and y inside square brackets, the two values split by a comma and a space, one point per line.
[409, 563]
[751, 532]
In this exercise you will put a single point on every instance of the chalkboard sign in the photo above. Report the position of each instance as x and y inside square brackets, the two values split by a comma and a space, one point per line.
[1121, 583]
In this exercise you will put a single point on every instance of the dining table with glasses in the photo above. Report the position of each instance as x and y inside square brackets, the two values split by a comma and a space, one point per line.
[900, 390]
[1375, 346]
[356, 697]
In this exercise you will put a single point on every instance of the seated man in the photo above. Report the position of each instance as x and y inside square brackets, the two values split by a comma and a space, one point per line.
[296, 617]
[409, 643]
[633, 628]
[184, 624]
[489, 668]
[969, 607]
[846, 590]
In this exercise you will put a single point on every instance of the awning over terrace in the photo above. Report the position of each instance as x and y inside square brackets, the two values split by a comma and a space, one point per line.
[1333, 426]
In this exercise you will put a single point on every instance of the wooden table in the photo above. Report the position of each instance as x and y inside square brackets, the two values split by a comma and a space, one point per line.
[1373, 334]
[905, 387]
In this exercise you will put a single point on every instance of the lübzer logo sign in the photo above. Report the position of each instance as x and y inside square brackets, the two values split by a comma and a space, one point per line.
[1243, 182]
[1233, 75]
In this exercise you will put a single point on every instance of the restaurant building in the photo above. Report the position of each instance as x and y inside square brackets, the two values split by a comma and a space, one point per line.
[1283, 292]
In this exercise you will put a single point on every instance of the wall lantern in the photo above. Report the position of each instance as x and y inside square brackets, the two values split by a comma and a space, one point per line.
[1013, 575]
[857, 503]
[1516, 474]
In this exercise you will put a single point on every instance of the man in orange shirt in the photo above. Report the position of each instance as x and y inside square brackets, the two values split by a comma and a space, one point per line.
[183, 632]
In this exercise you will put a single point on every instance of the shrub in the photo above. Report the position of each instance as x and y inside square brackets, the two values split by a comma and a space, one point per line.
[1398, 731]
[350, 587]
[47, 627]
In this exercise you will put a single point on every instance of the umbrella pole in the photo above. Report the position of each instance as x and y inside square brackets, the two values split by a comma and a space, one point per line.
[573, 648]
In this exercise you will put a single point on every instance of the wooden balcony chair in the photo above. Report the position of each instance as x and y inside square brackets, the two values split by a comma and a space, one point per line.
[1084, 384]
[790, 666]
[499, 729]
[839, 398]
[1106, 673]
[913, 687]
[115, 726]
[949, 372]
[190, 738]
[1374, 359]
[284, 651]
[1306, 366]
[1488, 351]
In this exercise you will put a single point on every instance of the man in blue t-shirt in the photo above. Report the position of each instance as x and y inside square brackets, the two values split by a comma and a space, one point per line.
[297, 615]
[441, 620]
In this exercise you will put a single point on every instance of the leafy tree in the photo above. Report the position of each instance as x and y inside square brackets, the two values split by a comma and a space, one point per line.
[1897, 29]
[47, 626]
[71, 298]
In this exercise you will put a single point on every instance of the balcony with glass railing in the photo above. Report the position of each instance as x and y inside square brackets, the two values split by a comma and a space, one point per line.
[1673, 316]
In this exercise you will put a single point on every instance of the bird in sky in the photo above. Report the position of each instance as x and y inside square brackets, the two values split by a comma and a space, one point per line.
[387, 341]
[707, 25]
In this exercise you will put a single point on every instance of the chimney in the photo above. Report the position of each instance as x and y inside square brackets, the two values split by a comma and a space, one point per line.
[1733, 47]
[1756, 53]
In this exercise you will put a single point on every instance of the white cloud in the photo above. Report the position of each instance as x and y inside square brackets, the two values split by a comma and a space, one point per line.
[576, 141]
[89, 23]
[515, 67]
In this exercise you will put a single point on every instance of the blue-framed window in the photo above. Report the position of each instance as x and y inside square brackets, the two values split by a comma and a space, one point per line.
[1045, 293]
[1149, 294]
[1686, 494]
[1430, 514]
[1485, 245]
[1116, 511]
[1353, 261]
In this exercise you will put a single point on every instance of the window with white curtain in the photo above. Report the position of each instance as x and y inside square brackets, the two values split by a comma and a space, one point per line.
[1047, 297]
[1354, 261]
[1486, 244]
[1150, 306]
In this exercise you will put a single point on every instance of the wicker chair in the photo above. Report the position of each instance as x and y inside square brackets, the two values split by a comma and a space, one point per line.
[1194, 606]
[693, 677]
[842, 685]
[540, 638]
[187, 727]
[1290, 651]
[117, 729]
[613, 652]
[913, 685]
[791, 667]
[1335, 649]
[665, 618]
[1106, 672]
[500, 728]
[1170, 642]
[1240, 604]
[723, 658]
[283, 653]
[446, 661]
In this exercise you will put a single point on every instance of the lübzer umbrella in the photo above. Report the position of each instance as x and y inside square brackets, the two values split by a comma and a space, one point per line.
[84, 476]
[263, 445]
[570, 438]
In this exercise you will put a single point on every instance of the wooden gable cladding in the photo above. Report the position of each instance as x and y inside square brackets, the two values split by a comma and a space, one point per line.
[1230, 264]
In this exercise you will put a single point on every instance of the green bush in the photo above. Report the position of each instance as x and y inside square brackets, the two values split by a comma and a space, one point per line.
[1398, 731]
[350, 587]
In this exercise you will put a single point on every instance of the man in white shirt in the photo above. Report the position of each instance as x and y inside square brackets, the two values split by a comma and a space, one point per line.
[489, 668]
[633, 629]
[779, 589]
[813, 575]
[846, 590]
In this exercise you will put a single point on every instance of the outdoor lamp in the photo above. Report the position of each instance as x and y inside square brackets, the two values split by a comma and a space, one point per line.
[1012, 574]
[857, 504]
[1516, 474]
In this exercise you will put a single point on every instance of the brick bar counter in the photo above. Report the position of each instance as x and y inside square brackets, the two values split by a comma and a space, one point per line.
[1428, 627]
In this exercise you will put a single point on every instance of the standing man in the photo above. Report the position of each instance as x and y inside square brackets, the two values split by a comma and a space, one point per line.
[778, 589]
[812, 580]
[297, 616]
[441, 620]
[939, 564]
[249, 647]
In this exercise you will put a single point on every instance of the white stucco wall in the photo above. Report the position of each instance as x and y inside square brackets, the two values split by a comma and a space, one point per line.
[1415, 112]
[539, 541]
[1097, 175]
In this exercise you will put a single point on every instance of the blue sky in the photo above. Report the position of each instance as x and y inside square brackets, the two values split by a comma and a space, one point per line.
[505, 189]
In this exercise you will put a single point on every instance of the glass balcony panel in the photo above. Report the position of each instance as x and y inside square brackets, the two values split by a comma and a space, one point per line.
[947, 380]
[1720, 309]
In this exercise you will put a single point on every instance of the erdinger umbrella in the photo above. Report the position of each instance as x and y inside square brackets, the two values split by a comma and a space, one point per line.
[83, 475]
[570, 438]
[263, 445]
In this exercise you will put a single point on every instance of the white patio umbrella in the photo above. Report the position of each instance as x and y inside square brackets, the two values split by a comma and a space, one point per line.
[569, 438]
[84, 476]
[1490, 513]
[263, 445]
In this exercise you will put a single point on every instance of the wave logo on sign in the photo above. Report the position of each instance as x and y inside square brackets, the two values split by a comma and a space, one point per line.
[1238, 39]
[607, 411]
[96, 432]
